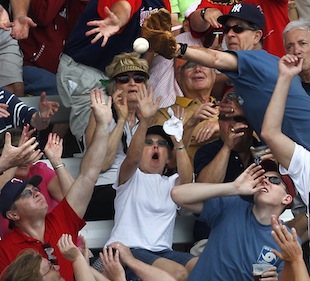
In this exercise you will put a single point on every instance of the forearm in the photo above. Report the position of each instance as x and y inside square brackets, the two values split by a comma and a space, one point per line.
[215, 171]
[184, 165]
[114, 140]
[197, 23]
[6, 176]
[134, 153]
[19, 8]
[275, 110]
[82, 270]
[193, 193]
[294, 271]
[148, 272]
[122, 10]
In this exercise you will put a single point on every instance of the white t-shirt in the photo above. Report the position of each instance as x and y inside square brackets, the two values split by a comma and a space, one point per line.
[299, 171]
[144, 212]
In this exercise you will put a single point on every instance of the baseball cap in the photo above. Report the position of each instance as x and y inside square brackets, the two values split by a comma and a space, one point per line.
[12, 189]
[158, 130]
[270, 165]
[247, 12]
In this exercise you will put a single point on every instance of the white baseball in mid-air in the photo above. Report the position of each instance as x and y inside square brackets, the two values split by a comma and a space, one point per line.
[141, 45]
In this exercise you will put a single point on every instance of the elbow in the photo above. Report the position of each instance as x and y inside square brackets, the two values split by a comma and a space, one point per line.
[267, 134]
[176, 195]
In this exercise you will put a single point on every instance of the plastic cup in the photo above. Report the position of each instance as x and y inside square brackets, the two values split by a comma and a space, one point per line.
[259, 269]
[258, 152]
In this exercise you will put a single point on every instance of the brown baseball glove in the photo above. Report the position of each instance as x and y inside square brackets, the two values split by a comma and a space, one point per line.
[157, 30]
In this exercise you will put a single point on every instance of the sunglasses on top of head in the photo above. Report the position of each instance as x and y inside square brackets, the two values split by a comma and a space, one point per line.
[237, 28]
[124, 78]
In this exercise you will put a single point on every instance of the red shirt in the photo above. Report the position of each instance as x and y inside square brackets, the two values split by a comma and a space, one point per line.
[61, 220]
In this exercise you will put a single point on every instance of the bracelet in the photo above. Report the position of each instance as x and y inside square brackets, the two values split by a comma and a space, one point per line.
[182, 50]
[202, 13]
[59, 166]
[179, 148]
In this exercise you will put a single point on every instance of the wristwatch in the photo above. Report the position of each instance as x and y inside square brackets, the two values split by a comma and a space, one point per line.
[202, 13]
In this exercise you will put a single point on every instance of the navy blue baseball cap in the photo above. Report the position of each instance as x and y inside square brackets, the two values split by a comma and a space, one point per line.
[12, 189]
[247, 12]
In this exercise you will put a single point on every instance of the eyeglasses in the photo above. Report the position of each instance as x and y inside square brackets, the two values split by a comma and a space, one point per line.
[51, 267]
[29, 192]
[125, 78]
[160, 143]
[190, 65]
[237, 28]
[276, 180]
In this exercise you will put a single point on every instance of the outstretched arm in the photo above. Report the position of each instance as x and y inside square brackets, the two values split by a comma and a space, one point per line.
[281, 146]
[80, 193]
[147, 110]
[115, 19]
[192, 195]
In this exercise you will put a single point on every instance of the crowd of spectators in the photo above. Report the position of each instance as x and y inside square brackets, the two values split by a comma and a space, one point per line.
[158, 134]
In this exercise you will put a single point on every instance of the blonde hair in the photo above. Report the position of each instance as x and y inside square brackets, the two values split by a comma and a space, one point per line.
[125, 62]
[26, 267]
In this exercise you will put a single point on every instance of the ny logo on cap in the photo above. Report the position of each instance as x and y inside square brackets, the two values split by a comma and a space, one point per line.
[236, 8]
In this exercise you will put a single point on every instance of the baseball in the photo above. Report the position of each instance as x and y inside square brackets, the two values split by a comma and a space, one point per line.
[141, 45]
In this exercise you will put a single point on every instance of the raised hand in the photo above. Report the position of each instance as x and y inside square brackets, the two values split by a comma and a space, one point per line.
[47, 108]
[211, 16]
[246, 183]
[104, 28]
[54, 147]
[67, 248]
[206, 131]
[147, 108]
[26, 134]
[101, 110]
[19, 156]
[120, 104]
[290, 65]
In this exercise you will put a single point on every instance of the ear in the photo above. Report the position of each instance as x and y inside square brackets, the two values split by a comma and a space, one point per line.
[287, 199]
[12, 215]
[258, 36]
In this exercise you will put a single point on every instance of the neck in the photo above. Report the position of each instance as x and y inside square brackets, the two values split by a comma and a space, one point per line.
[305, 76]
[263, 214]
[203, 95]
[34, 229]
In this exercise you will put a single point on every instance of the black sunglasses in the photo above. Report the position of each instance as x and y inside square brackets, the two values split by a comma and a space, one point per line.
[124, 78]
[277, 181]
[238, 119]
[237, 28]
[160, 143]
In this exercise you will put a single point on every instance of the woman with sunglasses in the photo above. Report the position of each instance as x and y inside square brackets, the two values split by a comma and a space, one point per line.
[128, 73]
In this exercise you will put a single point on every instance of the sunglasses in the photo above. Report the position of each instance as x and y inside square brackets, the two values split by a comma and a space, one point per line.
[276, 180]
[27, 193]
[237, 28]
[160, 143]
[125, 78]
